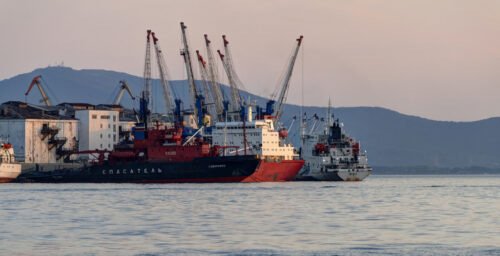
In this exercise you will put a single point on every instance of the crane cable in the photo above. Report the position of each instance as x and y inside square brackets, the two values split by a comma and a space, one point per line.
[49, 90]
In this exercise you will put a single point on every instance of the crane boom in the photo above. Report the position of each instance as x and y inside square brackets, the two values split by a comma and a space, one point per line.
[167, 93]
[218, 96]
[36, 81]
[189, 69]
[284, 89]
[146, 98]
[236, 100]
[209, 94]
[123, 87]
[235, 103]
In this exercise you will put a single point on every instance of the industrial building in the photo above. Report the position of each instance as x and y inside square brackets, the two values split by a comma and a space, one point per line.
[97, 129]
[38, 135]
[48, 134]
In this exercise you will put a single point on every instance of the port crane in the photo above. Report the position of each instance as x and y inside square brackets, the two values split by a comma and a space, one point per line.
[123, 87]
[145, 106]
[168, 93]
[221, 104]
[286, 83]
[237, 103]
[207, 90]
[36, 81]
[281, 97]
[197, 100]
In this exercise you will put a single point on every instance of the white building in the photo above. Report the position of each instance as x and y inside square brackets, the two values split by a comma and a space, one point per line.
[98, 129]
[37, 136]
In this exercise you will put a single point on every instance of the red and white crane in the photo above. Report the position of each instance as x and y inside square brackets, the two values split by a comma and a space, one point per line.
[36, 81]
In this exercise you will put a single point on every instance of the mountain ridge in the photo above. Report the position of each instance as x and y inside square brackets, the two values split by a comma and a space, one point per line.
[391, 138]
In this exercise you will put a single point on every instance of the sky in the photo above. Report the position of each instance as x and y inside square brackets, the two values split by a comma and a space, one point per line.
[438, 59]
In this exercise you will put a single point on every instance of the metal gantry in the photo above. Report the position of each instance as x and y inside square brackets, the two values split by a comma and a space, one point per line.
[218, 95]
[168, 94]
[286, 83]
[237, 102]
[190, 76]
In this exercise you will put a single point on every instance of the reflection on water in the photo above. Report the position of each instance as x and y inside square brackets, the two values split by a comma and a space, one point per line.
[381, 215]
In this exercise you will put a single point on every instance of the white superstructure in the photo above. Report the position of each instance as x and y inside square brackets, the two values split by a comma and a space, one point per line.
[9, 168]
[261, 139]
[333, 156]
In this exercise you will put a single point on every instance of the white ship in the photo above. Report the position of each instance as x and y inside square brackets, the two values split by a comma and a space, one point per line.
[333, 155]
[9, 168]
[279, 159]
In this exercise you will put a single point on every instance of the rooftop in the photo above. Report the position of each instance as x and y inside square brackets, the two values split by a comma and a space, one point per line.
[22, 110]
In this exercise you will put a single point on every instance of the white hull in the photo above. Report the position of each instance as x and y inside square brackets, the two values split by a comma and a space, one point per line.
[9, 171]
[356, 174]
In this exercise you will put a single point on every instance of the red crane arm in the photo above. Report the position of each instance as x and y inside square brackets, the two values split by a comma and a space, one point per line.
[32, 83]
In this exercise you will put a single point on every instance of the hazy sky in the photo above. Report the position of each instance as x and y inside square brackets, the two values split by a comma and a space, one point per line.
[438, 59]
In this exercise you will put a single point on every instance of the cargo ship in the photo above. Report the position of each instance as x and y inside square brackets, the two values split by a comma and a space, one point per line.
[157, 155]
[9, 168]
[279, 161]
[187, 146]
[333, 155]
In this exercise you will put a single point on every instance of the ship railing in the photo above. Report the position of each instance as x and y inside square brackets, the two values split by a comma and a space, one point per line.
[223, 150]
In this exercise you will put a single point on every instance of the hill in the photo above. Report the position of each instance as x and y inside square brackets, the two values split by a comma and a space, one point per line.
[392, 139]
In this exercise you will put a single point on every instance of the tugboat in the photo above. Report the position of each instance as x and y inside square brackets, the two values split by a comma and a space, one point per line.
[333, 155]
[9, 168]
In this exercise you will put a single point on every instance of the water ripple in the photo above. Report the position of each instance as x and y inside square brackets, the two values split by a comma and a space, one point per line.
[383, 215]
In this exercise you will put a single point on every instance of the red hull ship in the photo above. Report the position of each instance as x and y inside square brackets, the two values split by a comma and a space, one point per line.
[156, 156]
[279, 161]
[285, 170]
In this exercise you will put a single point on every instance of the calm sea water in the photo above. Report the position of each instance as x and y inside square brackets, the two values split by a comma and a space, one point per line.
[420, 215]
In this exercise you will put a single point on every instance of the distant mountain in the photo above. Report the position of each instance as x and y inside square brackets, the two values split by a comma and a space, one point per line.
[391, 139]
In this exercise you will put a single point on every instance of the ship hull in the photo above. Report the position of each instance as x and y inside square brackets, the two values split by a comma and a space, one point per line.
[336, 175]
[9, 172]
[200, 170]
[285, 170]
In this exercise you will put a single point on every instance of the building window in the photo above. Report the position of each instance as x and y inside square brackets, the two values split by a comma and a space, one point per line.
[114, 127]
[94, 116]
[114, 137]
[101, 125]
[101, 137]
[101, 146]
[109, 126]
[104, 117]
[109, 135]
[109, 145]
[114, 118]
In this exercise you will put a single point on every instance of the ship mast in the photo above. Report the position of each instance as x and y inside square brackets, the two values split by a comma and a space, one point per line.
[328, 117]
